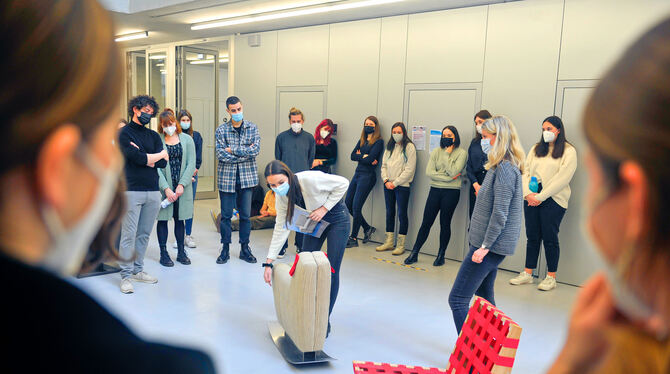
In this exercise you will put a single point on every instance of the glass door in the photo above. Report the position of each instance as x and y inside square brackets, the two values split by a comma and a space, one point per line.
[136, 74]
[197, 82]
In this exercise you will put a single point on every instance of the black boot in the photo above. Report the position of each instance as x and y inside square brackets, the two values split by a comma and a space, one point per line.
[352, 242]
[245, 254]
[367, 234]
[439, 261]
[224, 255]
[413, 257]
[165, 258]
[182, 258]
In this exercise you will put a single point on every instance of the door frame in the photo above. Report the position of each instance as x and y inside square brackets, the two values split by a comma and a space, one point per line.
[284, 89]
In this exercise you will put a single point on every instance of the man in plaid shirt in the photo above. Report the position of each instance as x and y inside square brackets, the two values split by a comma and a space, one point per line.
[237, 145]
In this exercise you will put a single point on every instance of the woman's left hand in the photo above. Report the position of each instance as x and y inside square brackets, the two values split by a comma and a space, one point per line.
[179, 190]
[479, 254]
[317, 214]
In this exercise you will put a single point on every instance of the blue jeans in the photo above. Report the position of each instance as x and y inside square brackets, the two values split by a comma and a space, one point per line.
[189, 222]
[337, 234]
[359, 189]
[401, 196]
[473, 279]
[241, 197]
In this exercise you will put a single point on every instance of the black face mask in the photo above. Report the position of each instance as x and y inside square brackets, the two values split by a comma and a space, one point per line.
[144, 118]
[446, 142]
[369, 129]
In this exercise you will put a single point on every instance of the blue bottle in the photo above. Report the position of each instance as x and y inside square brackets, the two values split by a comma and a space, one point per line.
[533, 185]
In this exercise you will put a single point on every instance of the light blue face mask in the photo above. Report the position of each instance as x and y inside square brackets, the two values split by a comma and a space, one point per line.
[237, 117]
[486, 146]
[282, 189]
[185, 125]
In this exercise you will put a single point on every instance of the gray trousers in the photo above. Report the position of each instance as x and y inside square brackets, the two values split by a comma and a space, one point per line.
[143, 207]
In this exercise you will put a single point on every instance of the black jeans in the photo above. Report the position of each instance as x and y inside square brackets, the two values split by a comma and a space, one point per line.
[336, 233]
[444, 201]
[242, 199]
[359, 189]
[401, 196]
[542, 225]
[162, 229]
[473, 198]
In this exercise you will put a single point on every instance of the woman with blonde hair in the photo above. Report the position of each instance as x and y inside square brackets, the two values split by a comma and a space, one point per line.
[496, 220]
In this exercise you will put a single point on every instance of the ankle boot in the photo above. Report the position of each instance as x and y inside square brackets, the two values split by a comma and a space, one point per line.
[245, 254]
[165, 258]
[182, 258]
[367, 234]
[388, 243]
[352, 242]
[413, 257]
[400, 246]
[439, 261]
[224, 255]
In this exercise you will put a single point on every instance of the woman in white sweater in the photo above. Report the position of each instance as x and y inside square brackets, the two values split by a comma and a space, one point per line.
[550, 165]
[321, 194]
[398, 166]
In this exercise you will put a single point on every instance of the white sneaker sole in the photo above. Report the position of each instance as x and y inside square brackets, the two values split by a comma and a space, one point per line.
[517, 283]
[546, 289]
[145, 281]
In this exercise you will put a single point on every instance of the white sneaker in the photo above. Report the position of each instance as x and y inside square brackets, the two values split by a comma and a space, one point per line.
[548, 284]
[522, 278]
[144, 277]
[189, 242]
[126, 286]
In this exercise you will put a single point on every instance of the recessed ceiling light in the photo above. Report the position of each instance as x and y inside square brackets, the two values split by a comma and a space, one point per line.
[132, 36]
[156, 57]
[210, 61]
[291, 13]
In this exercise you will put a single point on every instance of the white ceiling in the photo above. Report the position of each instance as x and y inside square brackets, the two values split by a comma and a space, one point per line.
[171, 20]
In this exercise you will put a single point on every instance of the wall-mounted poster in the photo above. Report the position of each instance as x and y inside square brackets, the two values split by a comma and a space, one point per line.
[419, 137]
[435, 136]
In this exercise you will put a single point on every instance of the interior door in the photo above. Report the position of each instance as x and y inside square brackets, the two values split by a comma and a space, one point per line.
[434, 107]
[310, 100]
[198, 91]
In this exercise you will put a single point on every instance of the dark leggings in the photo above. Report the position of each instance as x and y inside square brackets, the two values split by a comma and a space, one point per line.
[162, 229]
[401, 196]
[542, 225]
[359, 189]
[444, 201]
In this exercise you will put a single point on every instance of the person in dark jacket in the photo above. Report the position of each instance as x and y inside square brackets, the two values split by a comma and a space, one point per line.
[368, 153]
[476, 159]
[186, 122]
[60, 178]
[326, 147]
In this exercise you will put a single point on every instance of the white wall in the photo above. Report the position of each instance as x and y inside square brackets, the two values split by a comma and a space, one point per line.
[516, 53]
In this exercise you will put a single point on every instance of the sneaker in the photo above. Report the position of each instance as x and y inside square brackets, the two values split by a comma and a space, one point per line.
[144, 277]
[352, 242]
[189, 242]
[282, 253]
[127, 286]
[522, 278]
[548, 284]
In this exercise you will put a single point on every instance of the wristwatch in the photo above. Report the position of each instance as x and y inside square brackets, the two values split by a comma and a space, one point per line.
[267, 265]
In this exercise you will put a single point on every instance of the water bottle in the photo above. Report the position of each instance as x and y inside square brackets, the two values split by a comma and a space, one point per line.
[165, 203]
[533, 185]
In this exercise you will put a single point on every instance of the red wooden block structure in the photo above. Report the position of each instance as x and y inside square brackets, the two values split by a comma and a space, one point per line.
[487, 344]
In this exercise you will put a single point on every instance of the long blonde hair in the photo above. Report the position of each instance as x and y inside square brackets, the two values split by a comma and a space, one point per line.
[507, 145]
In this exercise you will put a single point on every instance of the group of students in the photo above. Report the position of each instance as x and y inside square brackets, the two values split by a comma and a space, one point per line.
[63, 198]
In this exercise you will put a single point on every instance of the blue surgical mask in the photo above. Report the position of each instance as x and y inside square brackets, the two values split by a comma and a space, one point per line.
[185, 125]
[486, 146]
[282, 189]
[237, 117]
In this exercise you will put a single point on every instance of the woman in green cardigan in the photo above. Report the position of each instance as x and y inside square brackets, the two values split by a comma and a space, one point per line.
[175, 182]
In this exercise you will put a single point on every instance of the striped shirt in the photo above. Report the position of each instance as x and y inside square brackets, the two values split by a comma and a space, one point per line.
[240, 162]
[496, 219]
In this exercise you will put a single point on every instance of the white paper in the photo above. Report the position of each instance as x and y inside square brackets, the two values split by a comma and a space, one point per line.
[419, 137]
[435, 136]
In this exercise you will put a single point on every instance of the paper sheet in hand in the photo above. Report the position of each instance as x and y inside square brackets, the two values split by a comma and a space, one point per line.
[303, 224]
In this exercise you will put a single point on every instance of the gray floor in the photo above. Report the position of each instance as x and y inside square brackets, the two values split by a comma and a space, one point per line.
[384, 312]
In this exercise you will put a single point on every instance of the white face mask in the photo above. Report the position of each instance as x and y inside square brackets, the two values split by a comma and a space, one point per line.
[397, 137]
[479, 128]
[324, 134]
[296, 126]
[170, 130]
[69, 246]
[548, 136]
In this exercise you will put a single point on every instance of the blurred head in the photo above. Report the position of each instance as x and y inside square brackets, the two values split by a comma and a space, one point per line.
[284, 183]
[122, 123]
[370, 128]
[167, 123]
[627, 128]
[398, 136]
[553, 133]
[324, 128]
[505, 144]
[185, 121]
[60, 169]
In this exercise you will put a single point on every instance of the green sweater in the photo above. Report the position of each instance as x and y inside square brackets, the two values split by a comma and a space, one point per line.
[445, 169]
[187, 169]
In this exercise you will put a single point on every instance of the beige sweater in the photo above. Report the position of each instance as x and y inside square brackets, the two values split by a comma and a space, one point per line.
[398, 166]
[554, 174]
